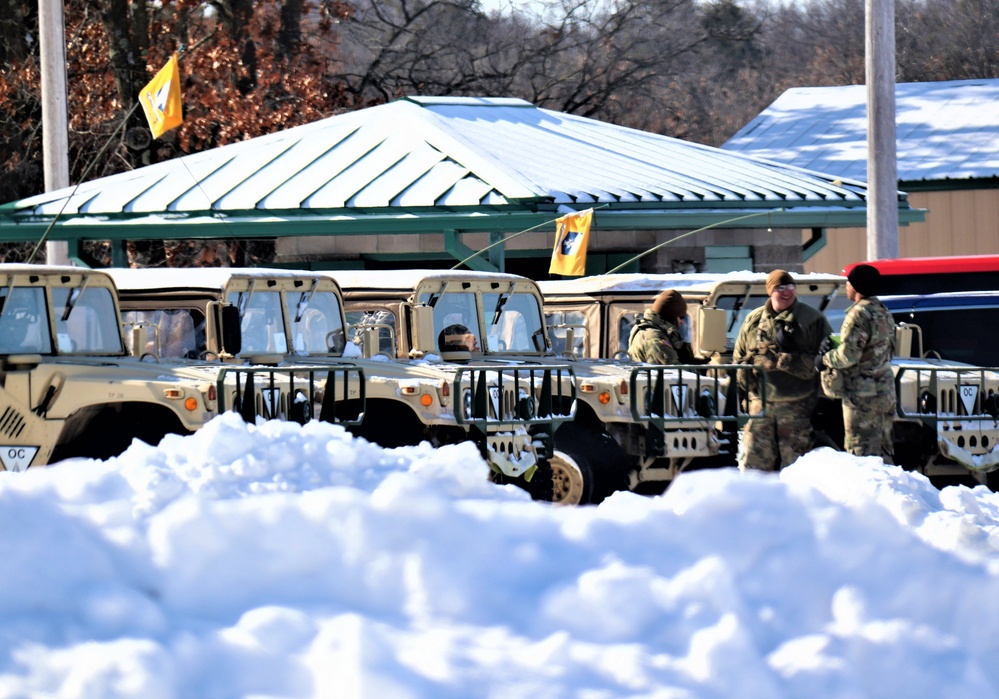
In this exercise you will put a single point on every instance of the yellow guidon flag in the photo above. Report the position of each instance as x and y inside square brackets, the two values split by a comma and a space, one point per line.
[571, 238]
[160, 99]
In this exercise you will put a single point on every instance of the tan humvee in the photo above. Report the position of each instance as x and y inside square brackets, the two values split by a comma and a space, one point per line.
[291, 318]
[946, 424]
[634, 425]
[68, 388]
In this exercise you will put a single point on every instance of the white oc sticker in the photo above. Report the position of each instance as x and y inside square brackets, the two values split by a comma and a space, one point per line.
[969, 392]
[271, 398]
[17, 458]
[678, 392]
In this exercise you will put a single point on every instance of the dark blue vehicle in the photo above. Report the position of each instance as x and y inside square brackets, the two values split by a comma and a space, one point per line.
[961, 326]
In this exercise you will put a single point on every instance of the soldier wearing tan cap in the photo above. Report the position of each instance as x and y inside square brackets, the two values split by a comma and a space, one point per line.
[781, 339]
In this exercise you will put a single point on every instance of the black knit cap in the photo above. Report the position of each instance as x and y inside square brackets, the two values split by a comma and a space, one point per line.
[866, 279]
[670, 304]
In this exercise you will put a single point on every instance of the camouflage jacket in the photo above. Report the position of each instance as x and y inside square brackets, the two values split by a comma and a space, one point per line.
[790, 370]
[865, 352]
[656, 341]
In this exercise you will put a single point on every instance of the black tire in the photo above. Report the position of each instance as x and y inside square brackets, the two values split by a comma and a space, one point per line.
[389, 424]
[592, 464]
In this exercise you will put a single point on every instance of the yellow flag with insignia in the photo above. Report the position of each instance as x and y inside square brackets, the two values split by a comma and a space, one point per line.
[571, 238]
[160, 99]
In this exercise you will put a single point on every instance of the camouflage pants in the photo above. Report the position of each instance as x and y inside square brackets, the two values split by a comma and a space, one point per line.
[867, 422]
[772, 442]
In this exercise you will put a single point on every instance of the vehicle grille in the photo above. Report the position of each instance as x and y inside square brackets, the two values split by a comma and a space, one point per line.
[12, 423]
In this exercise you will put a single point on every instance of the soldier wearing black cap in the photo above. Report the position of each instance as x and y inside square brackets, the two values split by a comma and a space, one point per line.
[656, 337]
[863, 359]
[780, 339]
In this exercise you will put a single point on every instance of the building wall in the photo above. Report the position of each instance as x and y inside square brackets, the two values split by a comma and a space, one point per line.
[958, 222]
[769, 248]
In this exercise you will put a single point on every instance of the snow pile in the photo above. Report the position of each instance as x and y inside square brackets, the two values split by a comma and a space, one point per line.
[285, 561]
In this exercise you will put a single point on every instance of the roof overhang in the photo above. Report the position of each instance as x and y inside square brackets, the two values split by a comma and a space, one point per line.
[251, 224]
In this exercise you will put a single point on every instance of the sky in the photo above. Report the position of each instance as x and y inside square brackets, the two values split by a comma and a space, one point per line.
[279, 560]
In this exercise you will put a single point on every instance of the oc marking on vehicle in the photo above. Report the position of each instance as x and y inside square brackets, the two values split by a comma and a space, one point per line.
[969, 394]
[17, 457]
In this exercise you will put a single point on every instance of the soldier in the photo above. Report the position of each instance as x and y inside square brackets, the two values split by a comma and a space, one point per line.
[864, 360]
[781, 339]
[657, 337]
[457, 338]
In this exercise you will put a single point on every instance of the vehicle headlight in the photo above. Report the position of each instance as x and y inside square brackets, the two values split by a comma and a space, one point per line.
[927, 403]
[525, 408]
[466, 403]
[990, 404]
[706, 405]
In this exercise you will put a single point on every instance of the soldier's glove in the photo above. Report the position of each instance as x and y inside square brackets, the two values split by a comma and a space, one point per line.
[819, 366]
[785, 361]
[824, 347]
[785, 338]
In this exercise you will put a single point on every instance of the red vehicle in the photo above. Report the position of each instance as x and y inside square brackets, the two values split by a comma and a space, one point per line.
[930, 275]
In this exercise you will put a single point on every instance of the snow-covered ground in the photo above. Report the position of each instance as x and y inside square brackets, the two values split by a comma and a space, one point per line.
[285, 561]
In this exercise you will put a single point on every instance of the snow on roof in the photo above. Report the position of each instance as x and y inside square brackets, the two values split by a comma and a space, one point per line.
[408, 279]
[654, 283]
[416, 153]
[205, 278]
[945, 130]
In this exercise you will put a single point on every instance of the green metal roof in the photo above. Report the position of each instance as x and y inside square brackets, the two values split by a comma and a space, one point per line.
[421, 165]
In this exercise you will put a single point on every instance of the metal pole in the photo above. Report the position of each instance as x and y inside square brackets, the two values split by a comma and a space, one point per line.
[882, 170]
[55, 130]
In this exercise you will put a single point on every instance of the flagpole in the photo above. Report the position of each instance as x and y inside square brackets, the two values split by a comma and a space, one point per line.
[47, 128]
[684, 235]
[55, 123]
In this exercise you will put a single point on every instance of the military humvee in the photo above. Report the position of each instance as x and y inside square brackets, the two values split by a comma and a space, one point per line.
[947, 411]
[68, 388]
[290, 318]
[636, 426]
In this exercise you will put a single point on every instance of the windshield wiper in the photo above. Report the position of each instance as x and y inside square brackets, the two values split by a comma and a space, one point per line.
[10, 290]
[303, 303]
[737, 307]
[828, 298]
[500, 302]
[242, 301]
[73, 297]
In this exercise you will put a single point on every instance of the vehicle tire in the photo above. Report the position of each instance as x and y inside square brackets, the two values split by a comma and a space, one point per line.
[541, 486]
[572, 481]
[588, 464]
[389, 425]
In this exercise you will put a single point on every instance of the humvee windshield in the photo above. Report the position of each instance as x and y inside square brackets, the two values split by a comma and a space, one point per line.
[180, 332]
[85, 321]
[513, 319]
[314, 318]
[261, 321]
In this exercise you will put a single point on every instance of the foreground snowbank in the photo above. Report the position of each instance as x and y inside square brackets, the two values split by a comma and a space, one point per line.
[286, 561]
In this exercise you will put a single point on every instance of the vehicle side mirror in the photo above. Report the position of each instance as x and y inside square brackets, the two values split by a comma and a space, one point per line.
[908, 341]
[711, 336]
[226, 323]
[424, 337]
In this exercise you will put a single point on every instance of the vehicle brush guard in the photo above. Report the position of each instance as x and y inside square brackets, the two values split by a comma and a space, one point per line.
[535, 398]
[960, 405]
[289, 393]
[690, 403]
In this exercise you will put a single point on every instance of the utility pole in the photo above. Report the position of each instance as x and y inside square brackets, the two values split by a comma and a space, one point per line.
[55, 129]
[882, 169]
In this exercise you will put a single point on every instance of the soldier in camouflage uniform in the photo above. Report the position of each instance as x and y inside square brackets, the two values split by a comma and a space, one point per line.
[864, 359]
[781, 339]
[656, 337]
